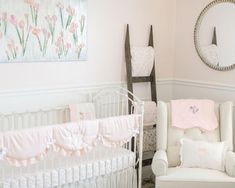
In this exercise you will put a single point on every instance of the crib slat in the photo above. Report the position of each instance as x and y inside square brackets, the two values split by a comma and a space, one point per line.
[110, 106]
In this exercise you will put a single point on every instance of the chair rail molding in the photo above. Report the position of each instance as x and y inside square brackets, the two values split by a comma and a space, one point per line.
[172, 87]
[59, 89]
[202, 84]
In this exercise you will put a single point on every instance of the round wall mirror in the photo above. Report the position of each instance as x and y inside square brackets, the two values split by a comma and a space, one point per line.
[214, 35]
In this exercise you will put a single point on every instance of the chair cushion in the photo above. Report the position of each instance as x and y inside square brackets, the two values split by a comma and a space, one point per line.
[175, 134]
[194, 178]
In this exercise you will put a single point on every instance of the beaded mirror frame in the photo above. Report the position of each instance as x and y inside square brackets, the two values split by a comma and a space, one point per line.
[196, 35]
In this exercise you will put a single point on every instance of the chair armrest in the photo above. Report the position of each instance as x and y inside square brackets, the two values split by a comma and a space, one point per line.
[160, 163]
[230, 163]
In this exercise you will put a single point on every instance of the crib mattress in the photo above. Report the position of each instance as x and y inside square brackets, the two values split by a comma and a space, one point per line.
[56, 171]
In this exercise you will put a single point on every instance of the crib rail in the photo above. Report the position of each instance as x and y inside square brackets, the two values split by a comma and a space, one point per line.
[28, 119]
[108, 102]
[113, 103]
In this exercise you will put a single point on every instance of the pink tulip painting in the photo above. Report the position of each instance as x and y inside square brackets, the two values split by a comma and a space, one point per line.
[60, 6]
[26, 16]
[71, 14]
[62, 47]
[21, 25]
[34, 7]
[3, 19]
[67, 47]
[73, 29]
[12, 50]
[51, 20]
[8, 56]
[14, 22]
[79, 49]
[46, 37]
[82, 23]
[26, 29]
[43, 30]
[22, 32]
[35, 31]
[59, 45]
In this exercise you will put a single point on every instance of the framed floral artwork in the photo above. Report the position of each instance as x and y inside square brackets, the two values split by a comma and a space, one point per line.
[43, 30]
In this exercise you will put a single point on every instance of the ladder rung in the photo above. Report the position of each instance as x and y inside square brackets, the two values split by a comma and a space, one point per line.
[146, 162]
[142, 79]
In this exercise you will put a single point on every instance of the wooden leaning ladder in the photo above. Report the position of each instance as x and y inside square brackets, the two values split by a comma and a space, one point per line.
[131, 80]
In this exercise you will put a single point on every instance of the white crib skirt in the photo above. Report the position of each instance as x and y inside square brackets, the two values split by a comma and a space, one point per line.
[101, 168]
[126, 178]
[123, 179]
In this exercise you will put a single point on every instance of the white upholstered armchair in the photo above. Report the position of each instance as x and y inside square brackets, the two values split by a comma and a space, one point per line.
[167, 158]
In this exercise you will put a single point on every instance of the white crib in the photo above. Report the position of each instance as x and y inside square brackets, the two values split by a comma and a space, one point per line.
[102, 167]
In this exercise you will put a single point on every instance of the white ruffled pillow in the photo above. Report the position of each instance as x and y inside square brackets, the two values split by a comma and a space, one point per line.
[202, 154]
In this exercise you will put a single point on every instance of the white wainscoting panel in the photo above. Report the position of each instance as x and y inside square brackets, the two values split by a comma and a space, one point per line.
[167, 89]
